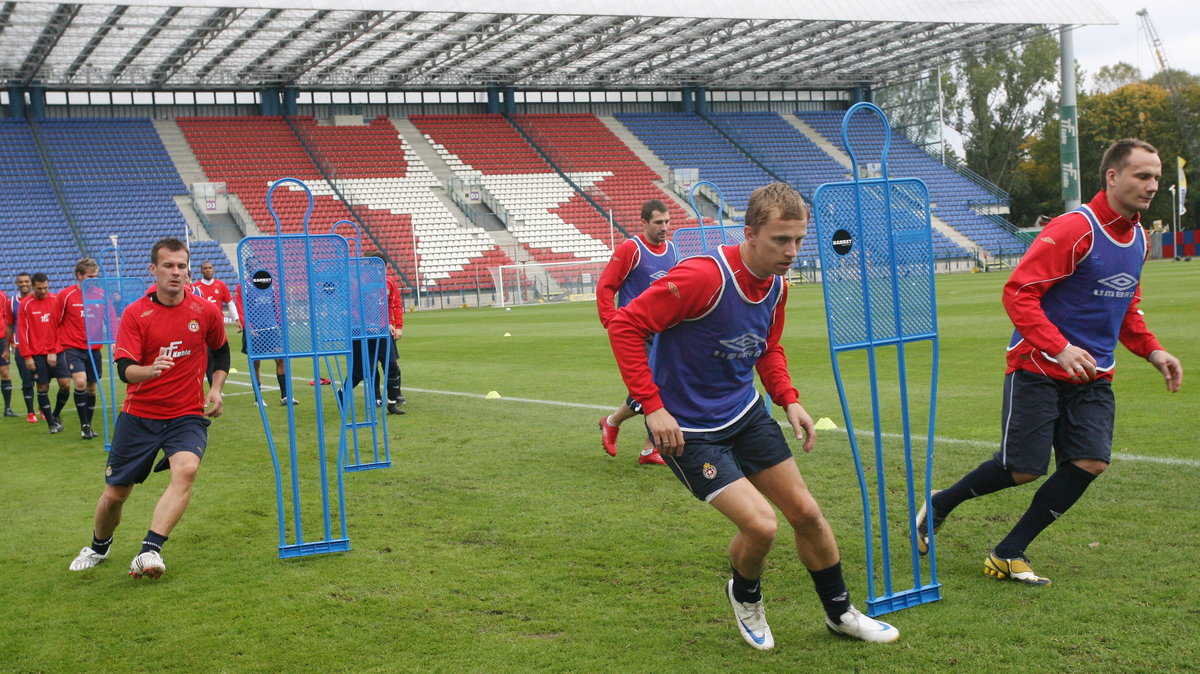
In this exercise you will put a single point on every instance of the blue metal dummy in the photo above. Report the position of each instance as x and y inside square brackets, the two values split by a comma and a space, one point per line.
[371, 336]
[296, 297]
[104, 302]
[691, 241]
[876, 247]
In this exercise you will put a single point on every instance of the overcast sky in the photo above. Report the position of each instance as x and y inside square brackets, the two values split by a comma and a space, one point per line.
[1177, 23]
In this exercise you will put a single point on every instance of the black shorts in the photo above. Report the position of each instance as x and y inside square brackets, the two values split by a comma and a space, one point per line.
[714, 460]
[26, 375]
[4, 350]
[136, 441]
[1040, 412]
[83, 360]
[43, 372]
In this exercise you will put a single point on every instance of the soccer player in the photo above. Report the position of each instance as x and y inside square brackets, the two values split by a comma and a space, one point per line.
[24, 284]
[82, 364]
[280, 370]
[6, 329]
[382, 351]
[161, 351]
[38, 324]
[634, 265]
[1072, 297]
[719, 317]
[214, 290]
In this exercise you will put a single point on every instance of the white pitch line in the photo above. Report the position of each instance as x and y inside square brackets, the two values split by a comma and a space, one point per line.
[1191, 463]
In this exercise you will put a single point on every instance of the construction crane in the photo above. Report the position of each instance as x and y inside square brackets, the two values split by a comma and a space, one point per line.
[1183, 117]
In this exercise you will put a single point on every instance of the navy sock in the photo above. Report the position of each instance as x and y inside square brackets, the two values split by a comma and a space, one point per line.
[831, 588]
[99, 546]
[91, 407]
[44, 406]
[27, 394]
[81, 407]
[1056, 495]
[60, 401]
[988, 477]
[6, 389]
[283, 388]
[746, 590]
[153, 541]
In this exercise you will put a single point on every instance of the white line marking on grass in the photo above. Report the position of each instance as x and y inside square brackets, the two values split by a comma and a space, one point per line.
[1191, 463]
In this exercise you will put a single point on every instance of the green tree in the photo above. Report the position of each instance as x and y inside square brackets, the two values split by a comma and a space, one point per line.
[998, 100]
[1111, 78]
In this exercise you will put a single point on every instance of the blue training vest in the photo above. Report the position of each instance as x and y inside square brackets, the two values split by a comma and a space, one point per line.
[1089, 306]
[704, 367]
[649, 268]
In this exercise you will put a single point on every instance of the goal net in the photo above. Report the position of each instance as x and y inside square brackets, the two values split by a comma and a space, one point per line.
[537, 282]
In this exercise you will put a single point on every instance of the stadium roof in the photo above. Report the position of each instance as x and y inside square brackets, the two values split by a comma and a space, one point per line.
[530, 44]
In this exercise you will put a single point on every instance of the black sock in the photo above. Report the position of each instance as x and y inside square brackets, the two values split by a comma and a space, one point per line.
[61, 401]
[27, 394]
[283, 389]
[988, 477]
[101, 547]
[81, 407]
[44, 406]
[91, 407]
[6, 389]
[831, 588]
[746, 590]
[153, 541]
[1056, 495]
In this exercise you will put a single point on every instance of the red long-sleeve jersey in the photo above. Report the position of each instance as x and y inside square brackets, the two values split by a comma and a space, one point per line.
[39, 326]
[1051, 258]
[623, 260]
[395, 304]
[72, 332]
[688, 292]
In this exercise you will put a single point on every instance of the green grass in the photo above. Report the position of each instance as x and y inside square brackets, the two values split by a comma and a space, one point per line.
[504, 539]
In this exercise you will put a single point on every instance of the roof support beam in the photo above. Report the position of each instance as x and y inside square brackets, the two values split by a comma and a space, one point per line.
[51, 34]
[101, 32]
[144, 42]
[220, 19]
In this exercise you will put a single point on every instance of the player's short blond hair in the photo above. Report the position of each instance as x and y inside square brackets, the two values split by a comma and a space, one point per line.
[779, 196]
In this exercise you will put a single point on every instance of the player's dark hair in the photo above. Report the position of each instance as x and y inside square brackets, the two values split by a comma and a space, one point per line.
[170, 243]
[24, 273]
[776, 195]
[40, 278]
[85, 265]
[1118, 153]
[651, 207]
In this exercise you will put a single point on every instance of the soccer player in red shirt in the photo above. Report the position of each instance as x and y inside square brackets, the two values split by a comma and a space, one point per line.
[1073, 297]
[634, 265]
[39, 343]
[383, 350]
[719, 318]
[161, 351]
[214, 290]
[6, 329]
[83, 365]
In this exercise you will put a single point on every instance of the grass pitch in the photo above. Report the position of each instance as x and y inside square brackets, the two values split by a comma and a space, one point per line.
[504, 539]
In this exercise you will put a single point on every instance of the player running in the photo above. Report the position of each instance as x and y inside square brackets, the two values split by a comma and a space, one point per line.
[1073, 296]
[719, 317]
[634, 265]
[161, 351]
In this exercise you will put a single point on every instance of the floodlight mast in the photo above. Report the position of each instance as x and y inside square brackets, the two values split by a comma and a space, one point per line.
[1183, 118]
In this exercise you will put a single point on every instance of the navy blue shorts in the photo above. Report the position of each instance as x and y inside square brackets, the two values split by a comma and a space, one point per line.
[136, 441]
[83, 360]
[44, 373]
[26, 375]
[4, 350]
[714, 460]
[1041, 412]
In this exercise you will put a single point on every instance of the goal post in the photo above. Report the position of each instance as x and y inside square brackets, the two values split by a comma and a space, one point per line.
[544, 282]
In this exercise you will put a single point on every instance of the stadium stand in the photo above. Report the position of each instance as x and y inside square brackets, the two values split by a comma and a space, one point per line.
[950, 193]
[372, 166]
[541, 210]
[36, 236]
[119, 181]
[582, 143]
